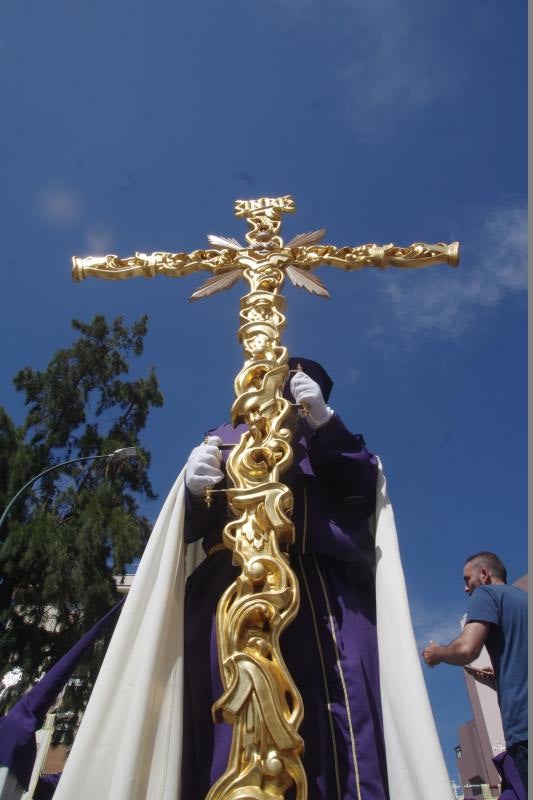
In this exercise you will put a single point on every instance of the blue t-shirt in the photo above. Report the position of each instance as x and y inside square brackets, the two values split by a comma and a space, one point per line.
[505, 607]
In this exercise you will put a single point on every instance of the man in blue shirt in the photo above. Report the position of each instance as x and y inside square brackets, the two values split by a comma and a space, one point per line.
[497, 618]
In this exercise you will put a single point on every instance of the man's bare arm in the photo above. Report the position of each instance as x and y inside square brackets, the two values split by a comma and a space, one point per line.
[462, 650]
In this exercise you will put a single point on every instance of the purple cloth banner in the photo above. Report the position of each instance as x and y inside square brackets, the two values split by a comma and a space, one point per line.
[18, 747]
[512, 787]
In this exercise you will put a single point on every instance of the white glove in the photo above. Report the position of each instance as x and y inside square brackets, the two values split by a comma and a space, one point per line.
[308, 393]
[203, 466]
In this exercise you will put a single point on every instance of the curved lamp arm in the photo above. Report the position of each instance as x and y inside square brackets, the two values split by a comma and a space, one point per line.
[116, 455]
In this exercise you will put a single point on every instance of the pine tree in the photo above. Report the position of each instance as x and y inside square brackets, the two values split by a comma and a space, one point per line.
[78, 527]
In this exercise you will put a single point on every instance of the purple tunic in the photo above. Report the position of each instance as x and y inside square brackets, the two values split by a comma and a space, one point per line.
[330, 648]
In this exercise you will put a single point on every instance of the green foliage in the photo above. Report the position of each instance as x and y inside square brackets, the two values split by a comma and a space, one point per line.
[68, 536]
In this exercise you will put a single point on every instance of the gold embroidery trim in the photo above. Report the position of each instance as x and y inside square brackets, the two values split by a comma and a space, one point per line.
[322, 664]
[304, 535]
[216, 548]
[345, 691]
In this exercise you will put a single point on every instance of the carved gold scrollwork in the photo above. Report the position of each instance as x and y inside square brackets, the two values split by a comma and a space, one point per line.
[263, 307]
[260, 699]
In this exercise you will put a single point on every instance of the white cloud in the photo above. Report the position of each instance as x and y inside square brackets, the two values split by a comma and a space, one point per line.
[351, 377]
[99, 238]
[433, 625]
[59, 206]
[391, 64]
[392, 73]
[444, 302]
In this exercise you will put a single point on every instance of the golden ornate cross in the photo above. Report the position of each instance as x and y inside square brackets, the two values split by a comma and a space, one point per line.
[260, 699]
[229, 261]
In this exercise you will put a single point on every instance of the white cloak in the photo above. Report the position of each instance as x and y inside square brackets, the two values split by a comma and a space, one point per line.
[128, 746]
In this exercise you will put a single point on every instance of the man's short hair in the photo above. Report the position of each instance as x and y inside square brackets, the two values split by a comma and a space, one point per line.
[489, 561]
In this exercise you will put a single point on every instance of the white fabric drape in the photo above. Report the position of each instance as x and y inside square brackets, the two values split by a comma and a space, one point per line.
[128, 746]
[129, 743]
[415, 763]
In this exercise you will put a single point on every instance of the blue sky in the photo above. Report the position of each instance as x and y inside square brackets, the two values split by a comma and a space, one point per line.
[135, 125]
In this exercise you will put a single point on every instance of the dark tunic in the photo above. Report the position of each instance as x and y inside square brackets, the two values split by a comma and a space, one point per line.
[330, 648]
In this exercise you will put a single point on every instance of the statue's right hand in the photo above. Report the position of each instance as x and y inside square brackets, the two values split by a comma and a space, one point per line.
[203, 466]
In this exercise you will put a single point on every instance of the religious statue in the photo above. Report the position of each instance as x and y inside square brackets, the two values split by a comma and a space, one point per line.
[297, 501]
[330, 648]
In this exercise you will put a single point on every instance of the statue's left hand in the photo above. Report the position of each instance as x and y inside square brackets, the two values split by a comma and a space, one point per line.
[307, 392]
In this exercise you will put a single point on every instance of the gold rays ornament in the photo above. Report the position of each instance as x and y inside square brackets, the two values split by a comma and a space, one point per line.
[260, 699]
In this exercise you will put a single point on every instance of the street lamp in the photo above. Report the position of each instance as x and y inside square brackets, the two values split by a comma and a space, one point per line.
[116, 455]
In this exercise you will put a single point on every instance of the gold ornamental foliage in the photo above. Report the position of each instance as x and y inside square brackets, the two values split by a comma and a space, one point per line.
[260, 699]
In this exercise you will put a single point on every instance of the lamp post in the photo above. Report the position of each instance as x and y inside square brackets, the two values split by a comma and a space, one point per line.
[116, 455]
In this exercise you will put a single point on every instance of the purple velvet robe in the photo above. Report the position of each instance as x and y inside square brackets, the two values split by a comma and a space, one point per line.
[330, 648]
